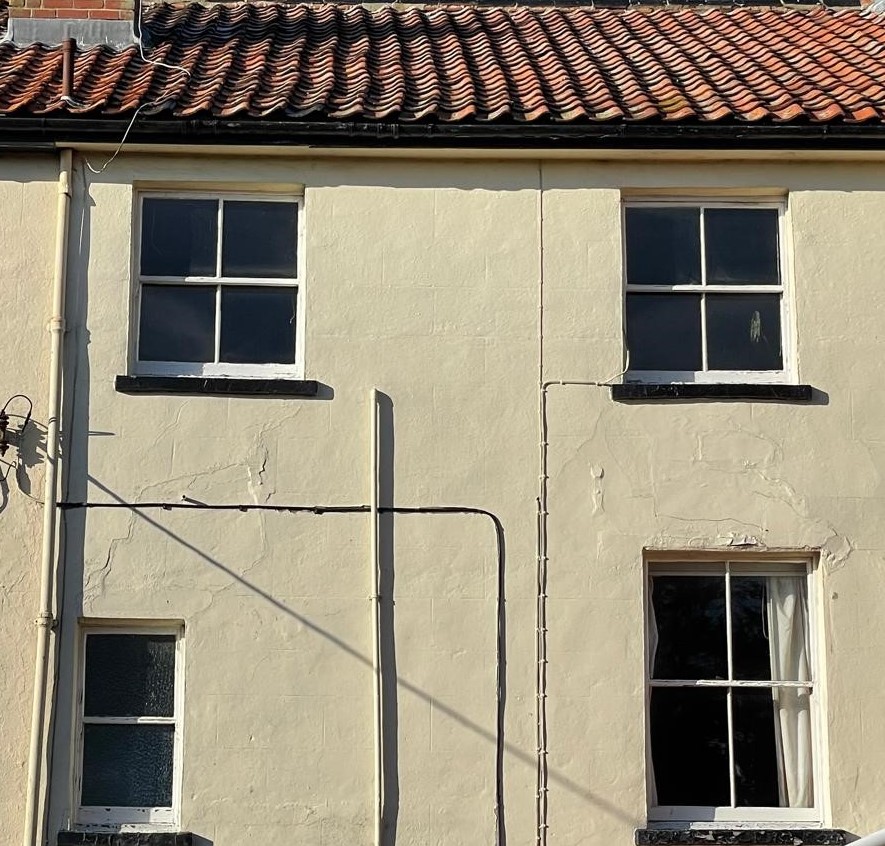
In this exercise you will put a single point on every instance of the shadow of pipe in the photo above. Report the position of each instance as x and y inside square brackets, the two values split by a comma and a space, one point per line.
[387, 622]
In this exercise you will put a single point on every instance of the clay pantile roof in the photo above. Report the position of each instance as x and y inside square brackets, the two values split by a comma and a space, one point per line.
[470, 64]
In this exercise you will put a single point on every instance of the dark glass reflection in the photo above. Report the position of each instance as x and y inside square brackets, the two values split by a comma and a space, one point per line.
[690, 625]
[179, 237]
[744, 332]
[177, 323]
[689, 746]
[127, 766]
[129, 675]
[749, 620]
[259, 239]
[755, 753]
[663, 246]
[741, 246]
[664, 331]
[258, 324]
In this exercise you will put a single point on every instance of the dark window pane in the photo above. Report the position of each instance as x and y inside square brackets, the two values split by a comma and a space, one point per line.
[127, 765]
[689, 746]
[689, 619]
[259, 239]
[664, 331]
[749, 621]
[177, 323]
[744, 332]
[755, 754]
[663, 246]
[741, 246]
[258, 324]
[129, 675]
[179, 237]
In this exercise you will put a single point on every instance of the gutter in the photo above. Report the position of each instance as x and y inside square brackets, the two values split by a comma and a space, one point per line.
[271, 133]
[33, 834]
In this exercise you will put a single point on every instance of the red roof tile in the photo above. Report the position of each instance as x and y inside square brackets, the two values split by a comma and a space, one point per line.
[469, 63]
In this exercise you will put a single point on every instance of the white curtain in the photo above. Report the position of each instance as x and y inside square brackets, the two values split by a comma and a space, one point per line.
[787, 614]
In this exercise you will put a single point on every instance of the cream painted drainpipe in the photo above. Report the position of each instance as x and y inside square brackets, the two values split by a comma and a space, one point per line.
[877, 838]
[375, 564]
[45, 620]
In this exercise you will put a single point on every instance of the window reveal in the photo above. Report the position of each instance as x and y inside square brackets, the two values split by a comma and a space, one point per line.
[730, 689]
[128, 727]
[704, 290]
[219, 285]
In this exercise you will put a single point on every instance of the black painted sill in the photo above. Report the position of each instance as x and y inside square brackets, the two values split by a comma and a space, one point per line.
[740, 837]
[125, 838]
[218, 385]
[722, 391]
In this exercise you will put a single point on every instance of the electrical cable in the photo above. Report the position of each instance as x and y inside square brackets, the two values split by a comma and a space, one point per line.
[319, 510]
[541, 565]
[543, 513]
[156, 63]
[5, 417]
[119, 148]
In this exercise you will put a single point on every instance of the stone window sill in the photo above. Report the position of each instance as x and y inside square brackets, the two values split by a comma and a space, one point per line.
[125, 838]
[740, 837]
[640, 391]
[217, 385]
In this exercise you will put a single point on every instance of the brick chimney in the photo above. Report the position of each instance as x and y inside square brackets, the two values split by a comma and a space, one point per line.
[88, 22]
[111, 10]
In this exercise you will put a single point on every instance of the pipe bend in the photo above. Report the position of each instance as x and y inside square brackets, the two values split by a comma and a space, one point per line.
[877, 838]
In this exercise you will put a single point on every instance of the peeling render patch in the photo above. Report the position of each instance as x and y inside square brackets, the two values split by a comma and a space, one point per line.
[597, 473]
[256, 471]
[835, 551]
[728, 540]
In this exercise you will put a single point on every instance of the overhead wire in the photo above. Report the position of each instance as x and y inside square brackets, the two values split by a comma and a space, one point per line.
[139, 41]
[188, 504]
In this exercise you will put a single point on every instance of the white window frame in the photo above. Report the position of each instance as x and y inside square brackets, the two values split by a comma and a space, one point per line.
[267, 370]
[788, 374]
[131, 818]
[673, 564]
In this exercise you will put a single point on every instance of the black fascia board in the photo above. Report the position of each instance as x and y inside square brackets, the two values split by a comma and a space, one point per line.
[15, 130]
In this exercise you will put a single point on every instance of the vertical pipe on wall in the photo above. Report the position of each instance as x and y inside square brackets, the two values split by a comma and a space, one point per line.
[541, 574]
[375, 563]
[45, 619]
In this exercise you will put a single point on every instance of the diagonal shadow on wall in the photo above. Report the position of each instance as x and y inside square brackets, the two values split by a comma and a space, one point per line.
[401, 683]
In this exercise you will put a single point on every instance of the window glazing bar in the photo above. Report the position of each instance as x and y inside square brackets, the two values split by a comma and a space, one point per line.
[702, 241]
[217, 324]
[737, 288]
[214, 280]
[729, 696]
[130, 721]
[218, 240]
[730, 683]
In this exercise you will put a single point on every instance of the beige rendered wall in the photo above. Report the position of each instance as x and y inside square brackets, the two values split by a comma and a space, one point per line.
[423, 281]
[28, 190]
